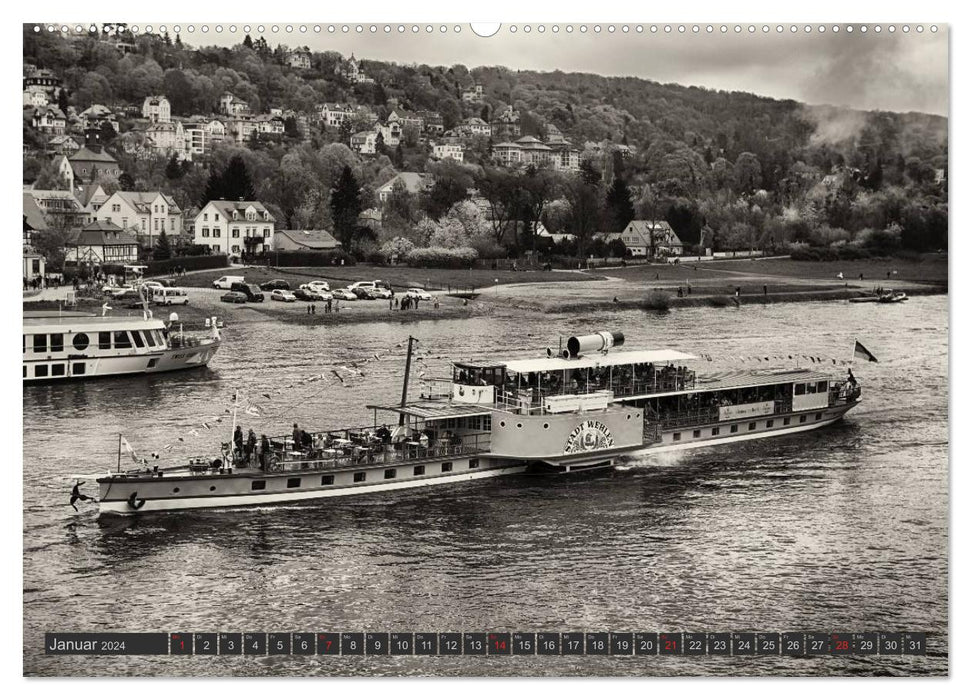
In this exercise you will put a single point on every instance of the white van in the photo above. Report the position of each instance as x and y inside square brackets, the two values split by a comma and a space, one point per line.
[226, 281]
[170, 296]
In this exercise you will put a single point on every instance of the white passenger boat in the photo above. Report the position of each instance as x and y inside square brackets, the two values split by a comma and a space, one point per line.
[584, 407]
[63, 345]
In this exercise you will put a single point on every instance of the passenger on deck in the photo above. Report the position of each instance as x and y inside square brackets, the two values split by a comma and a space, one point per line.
[384, 434]
[297, 434]
[238, 443]
[250, 447]
[264, 450]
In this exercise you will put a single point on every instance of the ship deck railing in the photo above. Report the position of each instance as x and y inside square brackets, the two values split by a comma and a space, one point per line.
[362, 448]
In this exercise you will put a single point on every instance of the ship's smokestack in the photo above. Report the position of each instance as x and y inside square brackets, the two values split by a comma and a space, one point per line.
[601, 341]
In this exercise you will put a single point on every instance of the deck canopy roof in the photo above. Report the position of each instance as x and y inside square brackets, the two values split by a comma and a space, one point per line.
[611, 359]
[435, 410]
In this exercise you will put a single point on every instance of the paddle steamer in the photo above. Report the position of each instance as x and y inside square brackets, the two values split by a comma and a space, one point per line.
[584, 406]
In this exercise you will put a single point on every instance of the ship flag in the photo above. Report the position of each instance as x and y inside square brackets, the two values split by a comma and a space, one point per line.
[863, 353]
[128, 448]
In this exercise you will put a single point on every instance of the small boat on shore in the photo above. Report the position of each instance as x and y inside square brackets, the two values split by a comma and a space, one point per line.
[892, 297]
[71, 345]
[584, 406]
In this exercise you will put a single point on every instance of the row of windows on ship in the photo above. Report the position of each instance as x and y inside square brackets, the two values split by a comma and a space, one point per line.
[49, 343]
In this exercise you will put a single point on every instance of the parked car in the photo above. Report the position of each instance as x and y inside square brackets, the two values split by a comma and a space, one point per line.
[381, 293]
[317, 285]
[419, 294]
[233, 298]
[282, 295]
[226, 281]
[310, 295]
[152, 284]
[250, 290]
[344, 294]
[314, 293]
[360, 285]
[385, 285]
[274, 284]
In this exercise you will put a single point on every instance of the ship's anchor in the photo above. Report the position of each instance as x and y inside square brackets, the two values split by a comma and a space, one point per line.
[134, 501]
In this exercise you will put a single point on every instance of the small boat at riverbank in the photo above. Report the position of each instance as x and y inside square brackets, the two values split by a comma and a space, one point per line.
[584, 406]
[60, 346]
[892, 297]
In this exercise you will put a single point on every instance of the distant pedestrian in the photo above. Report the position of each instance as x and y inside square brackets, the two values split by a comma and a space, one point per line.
[313, 309]
[308, 309]
[337, 306]
[680, 292]
[329, 302]
[435, 303]
[396, 302]
[861, 276]
[689, 287]
[888, 274]
[765, 290]
[738, 292]
[297, 435]
[391, 303]
[416, 302]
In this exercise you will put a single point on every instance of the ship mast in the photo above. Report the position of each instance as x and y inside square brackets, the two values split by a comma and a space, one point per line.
[404, 386]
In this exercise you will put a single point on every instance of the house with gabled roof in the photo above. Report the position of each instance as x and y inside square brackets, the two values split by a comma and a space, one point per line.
[234, 227]
[645, 238]
[313, 241]
[413, 183]
[48, 119]
[156, 108]
[101, 242]
[145, 213]
[91, 162]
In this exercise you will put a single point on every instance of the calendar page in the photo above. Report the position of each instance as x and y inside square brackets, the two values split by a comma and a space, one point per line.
[518, 349]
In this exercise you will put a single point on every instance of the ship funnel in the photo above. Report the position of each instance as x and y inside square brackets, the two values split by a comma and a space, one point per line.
[601, 341]
[550, 352]
[565, 354]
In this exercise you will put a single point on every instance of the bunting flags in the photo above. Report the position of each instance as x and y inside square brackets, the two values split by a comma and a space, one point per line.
[128, 448]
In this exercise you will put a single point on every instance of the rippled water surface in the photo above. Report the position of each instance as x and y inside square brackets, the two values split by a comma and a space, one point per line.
[842, 529]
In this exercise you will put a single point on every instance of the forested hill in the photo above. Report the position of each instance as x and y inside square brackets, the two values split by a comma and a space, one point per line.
[698, 150]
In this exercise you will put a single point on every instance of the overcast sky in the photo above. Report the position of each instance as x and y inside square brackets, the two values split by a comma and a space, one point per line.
[898, 72]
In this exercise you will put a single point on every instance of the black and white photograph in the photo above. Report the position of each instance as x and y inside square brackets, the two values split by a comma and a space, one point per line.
[520, 350]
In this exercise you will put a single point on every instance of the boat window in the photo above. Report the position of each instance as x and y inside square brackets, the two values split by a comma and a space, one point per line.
[40, 342]
[696, 434]
[327, 480]
[751, 426]
[122, 341]
[390, 473]
[769, 423]
[446, 466]
[137, 337]
[715, 431]
[786, 421]
[419, 470]
[819, 416]
[81, 341]
[104, 340]
[57, 370]
[40, 370]
[473, 463]
[293, 482]
[359, 476]
[258, 485]
[821, 387]
[802, 419]
[677, 436]
[57, 342]
[78, 368]
[800, 389]
[734, 429]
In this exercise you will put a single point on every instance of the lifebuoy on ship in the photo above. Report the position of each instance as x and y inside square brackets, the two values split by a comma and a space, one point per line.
[135, 502]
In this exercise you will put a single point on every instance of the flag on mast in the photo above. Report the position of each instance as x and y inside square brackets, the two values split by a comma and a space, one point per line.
[129, 450]
[863, 353]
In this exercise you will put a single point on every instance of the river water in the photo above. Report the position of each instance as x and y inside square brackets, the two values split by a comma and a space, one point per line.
[842, 529]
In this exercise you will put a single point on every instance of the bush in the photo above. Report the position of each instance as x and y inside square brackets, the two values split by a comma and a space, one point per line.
[303, 258]
[195, 262]
[442, 257]
[657, 301]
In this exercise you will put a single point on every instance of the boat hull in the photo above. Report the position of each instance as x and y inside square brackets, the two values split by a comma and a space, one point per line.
[169, 360]
[146, 493]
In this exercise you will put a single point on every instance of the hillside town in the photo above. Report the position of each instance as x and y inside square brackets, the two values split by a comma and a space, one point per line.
[141, 148]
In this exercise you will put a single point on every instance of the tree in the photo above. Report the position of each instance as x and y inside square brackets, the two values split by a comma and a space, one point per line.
[51, 244]
[537, 187]
[173, 170]
[62, 103]
[345, 207]
[620, 209]
[747, 173]
[500, 190]
[233, 184]
[248, 41]
[163, 248]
